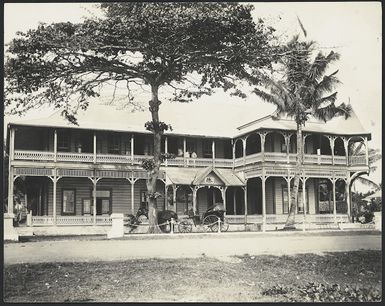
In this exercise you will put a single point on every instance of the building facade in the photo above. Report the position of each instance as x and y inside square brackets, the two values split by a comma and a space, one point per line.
[79, 175]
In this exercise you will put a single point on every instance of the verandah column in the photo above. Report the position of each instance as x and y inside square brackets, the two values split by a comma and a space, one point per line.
[10, 170]
[132, 148]
[223, 191]
[165, 149]
[94, 182]
[347, 192]
[54, 180]
[334, 200]
[55, 145]
[332, 141]
[195, 190]
[263, 179]
[174, 189]
[213, 151]
[304, 179]
[94, 147]
[245, 201]
[263, 136]
[235, 200]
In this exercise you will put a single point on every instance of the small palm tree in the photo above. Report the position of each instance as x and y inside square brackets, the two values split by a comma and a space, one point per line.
[374, 156]
[304, 90]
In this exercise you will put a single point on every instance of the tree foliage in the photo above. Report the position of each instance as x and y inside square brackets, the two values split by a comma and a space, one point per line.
[192, 48]
[156, 44]
[303, 90]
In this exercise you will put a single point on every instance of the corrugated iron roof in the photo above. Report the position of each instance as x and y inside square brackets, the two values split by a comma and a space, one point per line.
[199, 118]
[193, 176]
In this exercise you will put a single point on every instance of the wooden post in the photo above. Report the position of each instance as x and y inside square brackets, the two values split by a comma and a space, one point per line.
[174, 188]
[132, 195]
[165, 149]
[233, 146]
[235, 200]
[245, 202]
[195, 190]
[132, 148]
[334, 201]
[55, 144]
[10, 170]
[94, 181]
[289, 193]
[224, 197]
[262, 135]
[287, 141]
[10, 190]
[213, 151]
[94, 147]
[263, 203]
[346, 146]
[366, 151]
[347, 191]
[244, 150]
[332, 140]
[304, 202]
[54, 198]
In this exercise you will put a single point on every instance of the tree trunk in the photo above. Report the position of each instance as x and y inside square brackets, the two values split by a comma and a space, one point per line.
[153, 174]
[298, 170]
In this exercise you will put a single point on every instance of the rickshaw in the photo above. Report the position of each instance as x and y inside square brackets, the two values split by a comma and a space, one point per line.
[209, 220]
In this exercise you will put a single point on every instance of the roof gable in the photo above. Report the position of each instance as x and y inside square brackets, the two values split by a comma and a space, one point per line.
[210, 176]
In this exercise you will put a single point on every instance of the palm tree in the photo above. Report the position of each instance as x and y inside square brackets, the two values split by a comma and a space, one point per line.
[374, 156]
[304, 90]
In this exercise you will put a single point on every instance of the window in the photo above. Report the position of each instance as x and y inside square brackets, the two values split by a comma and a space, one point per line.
[285, 198]
[207, 148]
[87, 207]
[63, 141]
[114, 144]
[68, 202]
[324, 196]
[103, 202]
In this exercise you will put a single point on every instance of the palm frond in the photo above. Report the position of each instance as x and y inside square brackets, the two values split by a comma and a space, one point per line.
[276, 100]
[331, 99]
[328, 83]
[367, 182]
[330, 111]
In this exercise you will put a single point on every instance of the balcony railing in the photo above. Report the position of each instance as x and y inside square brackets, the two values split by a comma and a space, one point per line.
[275, 157]
[281, 218]
[70, 220]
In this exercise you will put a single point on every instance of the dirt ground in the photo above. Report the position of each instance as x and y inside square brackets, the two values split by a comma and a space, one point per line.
[245, 278]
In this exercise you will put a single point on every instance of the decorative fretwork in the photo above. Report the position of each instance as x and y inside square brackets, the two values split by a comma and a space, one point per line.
[34, 171]
[75, 157]
[113, 174]
[75, 172]
[110, 158]
[70, 220]
[34, 155]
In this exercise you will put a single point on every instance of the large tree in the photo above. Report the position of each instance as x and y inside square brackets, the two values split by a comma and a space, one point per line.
[303, 89]
[138, 44]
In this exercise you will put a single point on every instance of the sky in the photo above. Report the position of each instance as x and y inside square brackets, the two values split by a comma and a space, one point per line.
[353, 29]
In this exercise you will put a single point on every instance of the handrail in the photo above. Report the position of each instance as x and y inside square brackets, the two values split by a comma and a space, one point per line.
[188, 162]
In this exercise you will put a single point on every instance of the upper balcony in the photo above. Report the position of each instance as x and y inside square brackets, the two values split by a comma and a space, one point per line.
[99, 147]
[281, 147]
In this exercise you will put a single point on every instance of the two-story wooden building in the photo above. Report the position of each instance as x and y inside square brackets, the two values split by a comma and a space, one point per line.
[79, 175]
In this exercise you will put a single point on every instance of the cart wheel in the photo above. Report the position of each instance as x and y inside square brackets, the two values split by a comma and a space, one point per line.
[210, 222]
[184, 227]
[224, 225]
[165, 228]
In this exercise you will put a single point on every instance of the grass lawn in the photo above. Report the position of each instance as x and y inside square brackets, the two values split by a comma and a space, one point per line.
[352, 276]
